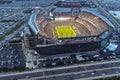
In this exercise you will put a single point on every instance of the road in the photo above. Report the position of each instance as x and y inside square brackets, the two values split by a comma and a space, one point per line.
[7, 38]
[80, 75]
[80, 71]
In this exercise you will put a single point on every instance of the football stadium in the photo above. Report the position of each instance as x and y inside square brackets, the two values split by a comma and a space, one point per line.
[86, 24]
[67, 30]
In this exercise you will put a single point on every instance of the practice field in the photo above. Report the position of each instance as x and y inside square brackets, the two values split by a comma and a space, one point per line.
[64, 32]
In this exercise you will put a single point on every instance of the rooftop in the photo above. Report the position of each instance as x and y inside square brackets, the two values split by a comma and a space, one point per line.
[62, 10]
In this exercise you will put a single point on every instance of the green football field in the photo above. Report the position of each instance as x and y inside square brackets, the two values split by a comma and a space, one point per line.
[65, 31]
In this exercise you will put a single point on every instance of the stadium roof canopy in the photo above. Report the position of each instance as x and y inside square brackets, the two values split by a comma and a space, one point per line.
[112, 47]
[62, 10]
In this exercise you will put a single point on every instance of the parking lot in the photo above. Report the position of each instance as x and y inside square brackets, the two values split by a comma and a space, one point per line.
[11, 57]
[30, 3]
[10, 15]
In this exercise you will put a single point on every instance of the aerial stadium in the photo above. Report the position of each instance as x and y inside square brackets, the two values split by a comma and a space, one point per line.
[68, 29]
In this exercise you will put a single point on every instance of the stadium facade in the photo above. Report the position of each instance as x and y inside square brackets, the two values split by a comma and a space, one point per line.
[67, 29]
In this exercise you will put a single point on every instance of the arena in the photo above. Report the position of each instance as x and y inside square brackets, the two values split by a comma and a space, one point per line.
[68, 30]
[85, 24]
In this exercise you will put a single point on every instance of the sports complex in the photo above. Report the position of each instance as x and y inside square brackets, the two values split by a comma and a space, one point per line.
[68, 29]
